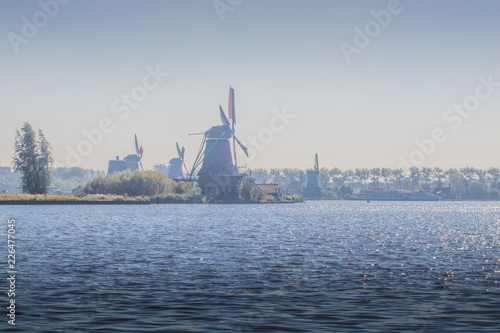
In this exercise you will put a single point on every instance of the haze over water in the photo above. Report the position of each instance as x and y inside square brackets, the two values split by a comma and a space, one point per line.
[311, 267]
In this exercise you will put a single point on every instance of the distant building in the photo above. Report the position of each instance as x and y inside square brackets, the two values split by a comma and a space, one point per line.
[270, 189]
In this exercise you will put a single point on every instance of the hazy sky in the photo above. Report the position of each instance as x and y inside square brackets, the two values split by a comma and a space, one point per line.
[358, 82]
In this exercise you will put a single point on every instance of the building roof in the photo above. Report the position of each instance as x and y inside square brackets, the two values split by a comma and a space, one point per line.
[268, 188]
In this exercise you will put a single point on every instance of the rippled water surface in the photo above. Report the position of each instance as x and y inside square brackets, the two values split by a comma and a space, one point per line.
[309, 267]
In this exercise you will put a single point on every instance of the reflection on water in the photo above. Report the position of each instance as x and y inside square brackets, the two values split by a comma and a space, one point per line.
[310, 267]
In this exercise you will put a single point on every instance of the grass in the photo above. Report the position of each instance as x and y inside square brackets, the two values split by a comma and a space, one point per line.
[68, 197]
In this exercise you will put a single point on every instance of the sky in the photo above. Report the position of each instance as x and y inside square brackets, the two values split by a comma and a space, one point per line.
[362, 83]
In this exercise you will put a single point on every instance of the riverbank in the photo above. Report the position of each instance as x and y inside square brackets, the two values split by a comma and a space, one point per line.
[53, 199]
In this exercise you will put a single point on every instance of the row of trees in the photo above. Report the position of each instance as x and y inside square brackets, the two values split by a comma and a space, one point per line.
[466, 183]
[67, 179]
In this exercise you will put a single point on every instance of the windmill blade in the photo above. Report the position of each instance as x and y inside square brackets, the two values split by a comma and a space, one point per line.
[136, 146]
[140, 162]
[182, 153]
[245, 149]
[179, 151]
[223, 117]
[316, 164]
[141, 151]
[231, 110]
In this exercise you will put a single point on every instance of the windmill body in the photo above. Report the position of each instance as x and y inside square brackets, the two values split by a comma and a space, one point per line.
[218, 176]
[218, 158]
[312, 189]
[174, 170]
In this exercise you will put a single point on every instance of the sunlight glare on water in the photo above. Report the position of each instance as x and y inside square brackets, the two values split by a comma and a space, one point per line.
[312, 267]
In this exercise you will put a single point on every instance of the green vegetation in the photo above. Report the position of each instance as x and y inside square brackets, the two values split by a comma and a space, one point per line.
[161, 168]
[250, 193]
[291, 198]
[33, 158]
[178, 198]
[69, 198]
[139, 183]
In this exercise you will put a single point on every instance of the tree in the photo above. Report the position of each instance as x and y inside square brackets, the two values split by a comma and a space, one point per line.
[324, 177]
[415, 176]
[161, 168]
[348, 176]
[33, 158]
[426, 175]
[343, 191]
[439, 176]
[362, 175]
[458, 187]
[44, 163]
[478, 190]
[336, 175]
[386, 174]
[493, 174]
[375, 173]
[469, 174]
[398, 175]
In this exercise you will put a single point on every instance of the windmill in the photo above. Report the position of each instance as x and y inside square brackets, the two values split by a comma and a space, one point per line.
[312, 189]
[218, 175]
[175, 164]
[130, 162]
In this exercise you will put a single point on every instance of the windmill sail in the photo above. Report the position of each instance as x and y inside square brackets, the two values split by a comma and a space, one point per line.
[180, 152]
[139, 151]
[223, 117]
[136, 145]
[231, 110]
[245, 149]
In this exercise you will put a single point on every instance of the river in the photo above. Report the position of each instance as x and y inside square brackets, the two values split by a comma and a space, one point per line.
[318, 266]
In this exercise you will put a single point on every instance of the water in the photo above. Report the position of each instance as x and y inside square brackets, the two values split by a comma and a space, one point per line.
[310, 267]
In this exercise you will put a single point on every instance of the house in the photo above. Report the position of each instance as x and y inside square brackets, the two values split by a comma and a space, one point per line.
[270, 189]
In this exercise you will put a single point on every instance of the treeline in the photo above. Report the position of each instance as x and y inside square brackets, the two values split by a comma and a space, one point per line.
[67, 179]
[464, 183]
[139, 183]
[63, 178]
